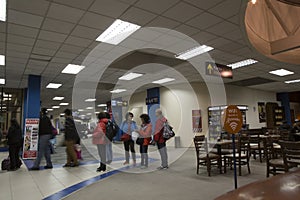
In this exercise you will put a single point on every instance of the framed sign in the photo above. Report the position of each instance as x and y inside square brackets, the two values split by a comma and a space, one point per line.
[197, 121]
[31, 138]
[261, 107]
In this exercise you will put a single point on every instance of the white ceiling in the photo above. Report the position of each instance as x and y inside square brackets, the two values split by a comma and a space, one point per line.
[64, 31]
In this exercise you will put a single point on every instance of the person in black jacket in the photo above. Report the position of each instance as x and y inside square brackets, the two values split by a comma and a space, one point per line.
[45, 134]
[71, 137]
[14, 140]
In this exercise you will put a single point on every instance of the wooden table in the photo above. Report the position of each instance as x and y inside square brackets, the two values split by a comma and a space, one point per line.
[219, 145]
[280, 187]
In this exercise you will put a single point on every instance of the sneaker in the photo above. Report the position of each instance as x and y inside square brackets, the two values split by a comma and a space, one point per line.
[144, 167]
[74, 165]
[34, 169]
[48, 167]
[67, 165]
[126, 163]
[161, 167]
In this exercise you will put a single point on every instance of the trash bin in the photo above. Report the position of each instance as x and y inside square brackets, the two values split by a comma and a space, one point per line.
[177, 141]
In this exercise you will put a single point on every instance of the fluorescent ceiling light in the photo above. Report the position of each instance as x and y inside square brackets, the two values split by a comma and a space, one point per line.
[89, 114]
[97, 112]
[2, 81]
[80, 110]
[72, 69]
[116, 91]
[293, 81]
[54, 85]
[130, 76]
[193, 52]
[89, 108]
[62, 114]
[117, 32]
[54, 107]
[64, 104]
[58, 98]
[242, 63]
[90, 100]
[3, 10]
[49, 109]
[281, 72]
[2, 58]
[164, 80]
[102, 105]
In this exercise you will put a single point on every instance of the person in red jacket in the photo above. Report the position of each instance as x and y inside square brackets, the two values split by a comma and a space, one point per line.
[145, 137]
[99, 139]
[159, 139]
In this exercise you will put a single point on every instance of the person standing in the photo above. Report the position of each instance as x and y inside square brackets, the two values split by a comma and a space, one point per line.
[144, 139]
[71, 137]
[14, 141]
[159, 139]
[99, 139]
[45, 134]
[128, 126]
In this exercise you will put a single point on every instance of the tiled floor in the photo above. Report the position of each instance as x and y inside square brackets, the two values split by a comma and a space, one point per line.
[60, 182]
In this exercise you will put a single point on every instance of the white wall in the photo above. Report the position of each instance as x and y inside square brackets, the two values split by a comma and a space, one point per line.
[178, 102]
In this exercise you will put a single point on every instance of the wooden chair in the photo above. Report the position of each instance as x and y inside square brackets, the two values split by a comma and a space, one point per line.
[242, 155]
[290, 154]
[205, 158]
[256, 144]
[273, 163]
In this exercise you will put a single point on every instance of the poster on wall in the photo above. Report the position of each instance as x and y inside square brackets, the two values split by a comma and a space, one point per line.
[261, 112]
[197, 121]
[31, 138]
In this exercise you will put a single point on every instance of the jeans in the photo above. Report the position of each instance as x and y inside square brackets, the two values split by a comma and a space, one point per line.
[102, 153]
[43, 150]
[144, 155]
[163, 154]
[109, 153]
[129, 145]
[71, 154]
[14, 150]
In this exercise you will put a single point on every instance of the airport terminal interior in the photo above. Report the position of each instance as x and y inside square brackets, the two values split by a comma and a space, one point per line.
[150, 99]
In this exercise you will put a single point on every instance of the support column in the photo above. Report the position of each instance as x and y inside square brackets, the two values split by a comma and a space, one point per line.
[285, 102]
[32, 105]
[153, 98]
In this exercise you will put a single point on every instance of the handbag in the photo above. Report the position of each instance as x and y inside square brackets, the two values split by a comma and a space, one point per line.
[139, 141]
[54, 132]
[125, 137]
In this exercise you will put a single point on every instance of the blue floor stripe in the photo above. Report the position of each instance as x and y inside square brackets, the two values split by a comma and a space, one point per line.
[65, 192]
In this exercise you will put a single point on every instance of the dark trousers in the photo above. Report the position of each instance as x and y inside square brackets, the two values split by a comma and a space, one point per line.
[102, 153]
[14, 150]
[144, 155]
[129, 145]
[163, 154]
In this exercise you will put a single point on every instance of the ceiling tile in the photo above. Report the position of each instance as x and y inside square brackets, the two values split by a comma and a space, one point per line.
[20, 40]
[155, 6]
[204, 21]
[61, 60]
[47, 44]
[24, 19]
[185, 29]
[36, 64]
[137, 16]
[86, 32]
[203, 37]
[182, 12]
[2, 27]
[71, 48]
[12, 60]
[204, 4]
[163, 22]
[76, 3]
[234, 19]
[76, 41]
[20, 48]
[223, 28]
[37, 7]
[226, 8]
[2, 37]
[65, 13]
[111, 8]
[17, 54]
[52, 36]
[96, 21]
[22, 30]
[42, 51]
[62, 54]
[57, 26]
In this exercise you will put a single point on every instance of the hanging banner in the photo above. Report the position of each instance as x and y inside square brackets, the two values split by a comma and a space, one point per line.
[197, 121]
[31, 138]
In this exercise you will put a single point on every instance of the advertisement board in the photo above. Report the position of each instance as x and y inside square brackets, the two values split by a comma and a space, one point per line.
[31, 138]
